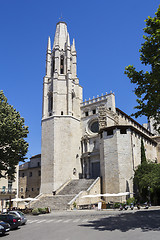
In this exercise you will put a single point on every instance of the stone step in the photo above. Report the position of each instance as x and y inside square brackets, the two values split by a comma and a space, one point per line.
[54, 202]
[75, 186]
[61, 200]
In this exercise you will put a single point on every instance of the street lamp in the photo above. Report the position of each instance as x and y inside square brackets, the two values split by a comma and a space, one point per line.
[149, 196]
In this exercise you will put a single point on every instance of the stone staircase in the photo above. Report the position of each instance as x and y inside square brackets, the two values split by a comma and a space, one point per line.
[75, 186]
[60, 201]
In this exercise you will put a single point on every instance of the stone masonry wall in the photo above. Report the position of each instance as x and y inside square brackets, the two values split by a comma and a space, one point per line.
[60, 151]
[47, 153]
[109, 163]
[121, 152]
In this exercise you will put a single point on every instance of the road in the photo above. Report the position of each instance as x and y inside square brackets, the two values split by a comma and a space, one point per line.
[86, 225]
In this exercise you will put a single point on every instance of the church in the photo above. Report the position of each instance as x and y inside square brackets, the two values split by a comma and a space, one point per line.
[86, 139]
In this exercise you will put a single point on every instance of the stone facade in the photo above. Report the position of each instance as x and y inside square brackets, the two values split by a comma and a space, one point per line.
[87, 139]
[30, 178]
[8, 190]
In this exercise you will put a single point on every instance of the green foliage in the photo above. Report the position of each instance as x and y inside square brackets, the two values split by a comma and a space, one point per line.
[130, 200]
[148, 83]
[42, 210]
[143, 154]
[74, 204]
[147, 180]
[13, 147]
[35, 211]
[116, 205]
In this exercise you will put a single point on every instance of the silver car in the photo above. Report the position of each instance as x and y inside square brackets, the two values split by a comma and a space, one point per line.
[20, 215]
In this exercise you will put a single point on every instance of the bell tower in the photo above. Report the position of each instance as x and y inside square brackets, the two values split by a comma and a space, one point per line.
[62, 95]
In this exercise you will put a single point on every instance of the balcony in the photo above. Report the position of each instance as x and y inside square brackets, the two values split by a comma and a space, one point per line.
[7, 193]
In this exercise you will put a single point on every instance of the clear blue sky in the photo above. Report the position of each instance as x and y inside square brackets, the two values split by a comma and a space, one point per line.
[108, 37]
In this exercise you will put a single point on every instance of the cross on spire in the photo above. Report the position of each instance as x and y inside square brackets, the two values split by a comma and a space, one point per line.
[61, 18]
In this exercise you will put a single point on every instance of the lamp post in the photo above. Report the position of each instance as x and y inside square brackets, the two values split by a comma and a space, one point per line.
[149, 197]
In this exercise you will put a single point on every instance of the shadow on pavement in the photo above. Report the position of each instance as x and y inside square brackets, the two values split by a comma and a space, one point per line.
[145, 220]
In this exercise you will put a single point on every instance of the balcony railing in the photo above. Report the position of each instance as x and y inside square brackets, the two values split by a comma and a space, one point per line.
[6, 191]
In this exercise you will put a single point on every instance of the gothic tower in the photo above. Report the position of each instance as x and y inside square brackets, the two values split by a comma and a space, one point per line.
[62, 95]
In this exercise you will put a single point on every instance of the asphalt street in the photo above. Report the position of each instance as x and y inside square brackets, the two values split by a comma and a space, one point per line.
[86, 225]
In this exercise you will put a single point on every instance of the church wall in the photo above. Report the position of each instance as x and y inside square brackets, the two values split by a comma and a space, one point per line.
[125, 161]
[117, 166]
[61, 104]
[77, 100]
[61, 87]
[136, 149]
[150, 147]
[109, 121]
[109, 163]
[124, 119]
[120, 154]
[62, 154]
[157, 139]
[151, 150]
[67, 150]
[94, 144]
[47, 155]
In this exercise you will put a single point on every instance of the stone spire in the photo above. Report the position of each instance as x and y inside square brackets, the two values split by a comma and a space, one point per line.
[49, 45]
[73, 48]
[74, 60]
[61, 35]
[68, 40]
[48, 58]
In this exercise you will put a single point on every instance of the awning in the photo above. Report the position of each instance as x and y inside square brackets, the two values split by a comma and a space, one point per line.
[108, 195]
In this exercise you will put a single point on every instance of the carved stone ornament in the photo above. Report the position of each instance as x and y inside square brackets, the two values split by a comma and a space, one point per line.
[113, 116]
[85, 136]
[103, 114]
[102, 117]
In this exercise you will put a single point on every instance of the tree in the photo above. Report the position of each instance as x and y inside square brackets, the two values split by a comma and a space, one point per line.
[148, 83]
[143, 154]
[147, 181]
[13, 146]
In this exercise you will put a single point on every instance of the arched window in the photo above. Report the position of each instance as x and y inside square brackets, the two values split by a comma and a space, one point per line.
[62, 64]
[50, 102]
[53, 68]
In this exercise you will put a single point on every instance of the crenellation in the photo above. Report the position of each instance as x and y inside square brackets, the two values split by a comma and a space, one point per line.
[97, 99]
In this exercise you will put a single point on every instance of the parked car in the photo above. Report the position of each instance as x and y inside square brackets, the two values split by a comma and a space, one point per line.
[20, 215]
[2, 230]
[12, 219]
[4, 227]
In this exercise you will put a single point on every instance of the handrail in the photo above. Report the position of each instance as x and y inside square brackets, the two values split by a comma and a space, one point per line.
[8, 190]
[77, 196]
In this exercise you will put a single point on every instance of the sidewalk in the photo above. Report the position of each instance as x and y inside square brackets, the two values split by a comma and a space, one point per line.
[102, 211]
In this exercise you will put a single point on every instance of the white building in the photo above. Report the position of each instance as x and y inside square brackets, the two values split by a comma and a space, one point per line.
[85, 139]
